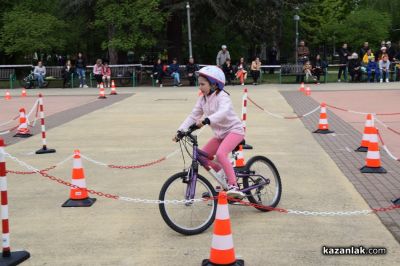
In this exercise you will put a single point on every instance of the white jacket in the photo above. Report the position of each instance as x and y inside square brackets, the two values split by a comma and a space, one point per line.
[218, 108]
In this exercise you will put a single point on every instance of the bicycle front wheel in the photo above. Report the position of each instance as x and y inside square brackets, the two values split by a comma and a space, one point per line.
[188, 218]
[261, 169]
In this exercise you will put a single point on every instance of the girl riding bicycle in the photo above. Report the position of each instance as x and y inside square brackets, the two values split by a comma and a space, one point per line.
[215, 109]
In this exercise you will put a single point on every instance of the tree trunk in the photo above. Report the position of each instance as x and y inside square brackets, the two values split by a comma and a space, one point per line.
[112, 52]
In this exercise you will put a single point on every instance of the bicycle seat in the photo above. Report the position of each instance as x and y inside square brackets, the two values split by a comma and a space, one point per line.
[243, 142]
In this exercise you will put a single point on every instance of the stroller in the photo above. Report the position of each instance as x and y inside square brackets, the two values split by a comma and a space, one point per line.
[31, 82]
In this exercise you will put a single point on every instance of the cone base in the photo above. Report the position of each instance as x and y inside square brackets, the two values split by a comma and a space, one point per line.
[362, 149]
[45, 150]
[209, 263]
[15, 258]
[373, 170]
[19, 135]
[323, 131]
[102, 97]
[396, 201]
[247, 147]
[79, 203]
[113, 93]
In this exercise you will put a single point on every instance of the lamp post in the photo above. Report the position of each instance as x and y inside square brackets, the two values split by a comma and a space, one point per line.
[296, 19]
[189, 29]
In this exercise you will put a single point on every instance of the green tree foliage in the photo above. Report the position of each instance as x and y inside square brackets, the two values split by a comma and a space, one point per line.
[128, 25]
[25, 32]
[359, 27]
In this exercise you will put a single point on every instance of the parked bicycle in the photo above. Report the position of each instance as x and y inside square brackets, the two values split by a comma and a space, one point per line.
[259, 180]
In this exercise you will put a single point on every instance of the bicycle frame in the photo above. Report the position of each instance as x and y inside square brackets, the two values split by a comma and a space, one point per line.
[202, 158]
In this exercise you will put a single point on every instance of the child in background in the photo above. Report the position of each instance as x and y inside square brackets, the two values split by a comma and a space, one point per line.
[106, 73]
[97, 72]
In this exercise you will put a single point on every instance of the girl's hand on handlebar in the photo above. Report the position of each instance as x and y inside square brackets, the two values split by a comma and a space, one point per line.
[199, 124]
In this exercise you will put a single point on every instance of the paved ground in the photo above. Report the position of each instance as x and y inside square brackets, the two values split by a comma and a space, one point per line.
[138, 129]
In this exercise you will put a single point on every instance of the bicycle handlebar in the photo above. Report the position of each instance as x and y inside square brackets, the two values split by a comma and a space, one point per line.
[187, 133]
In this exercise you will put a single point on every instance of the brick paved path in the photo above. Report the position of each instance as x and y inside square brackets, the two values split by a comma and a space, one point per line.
[377, 189]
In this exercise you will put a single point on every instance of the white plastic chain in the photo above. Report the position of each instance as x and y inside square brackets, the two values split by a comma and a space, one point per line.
[339, 213]
[8, 122]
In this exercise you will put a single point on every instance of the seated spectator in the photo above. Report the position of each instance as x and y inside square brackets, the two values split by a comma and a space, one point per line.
[191, 69]
[396, 61]
[372, 66]
[318, 67]
[241, 72]
[307, 70]
[106, 73]
[97, 72]
[255, 70]
[174, 72]
[384, 67]
[355, 68]
[158, 71]
[369, 54]
[228, 71]
[382, 52]
[67, 72]
[40, 73]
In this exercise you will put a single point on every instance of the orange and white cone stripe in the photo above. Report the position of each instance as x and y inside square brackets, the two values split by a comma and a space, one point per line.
[78, 178]
[113, 89]
[102, 93]
[222, 250]
[373, 158]
[301, 89]
[323, 126]
[368, 133]
[23, 93]
[8, 95]
[239, 162]
[23, 124]
[307, 91]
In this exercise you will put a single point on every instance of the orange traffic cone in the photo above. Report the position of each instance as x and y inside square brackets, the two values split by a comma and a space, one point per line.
[222, 250]
[102, 94]
[78, 194]
[239, 158]
[23, 93]
[373, 159]
[113, 89]
[323, 126]
[301, 89]
[8, 95]
[307, 91]
[368, 129]
[23, 130]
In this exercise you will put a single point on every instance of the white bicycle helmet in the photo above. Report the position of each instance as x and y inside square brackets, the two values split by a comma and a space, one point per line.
[214, 75]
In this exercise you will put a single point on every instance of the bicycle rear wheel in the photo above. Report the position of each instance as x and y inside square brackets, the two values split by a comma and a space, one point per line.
[267, 195]
[188, 218]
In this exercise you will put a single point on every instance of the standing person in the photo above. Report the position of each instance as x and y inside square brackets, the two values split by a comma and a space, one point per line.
[255, 70]
[67, 72]
[390, 51]
[384, 67]
[272, 58]
[191, 69]
[40, 72]
[241, 72]
[343, 58]
[158, 71]
[216, 110]
[303, 53]
[363, 50]
[227, 68]
[97, 72]
[106, 73]
[222, 55]
[174, 70]
[80, 65]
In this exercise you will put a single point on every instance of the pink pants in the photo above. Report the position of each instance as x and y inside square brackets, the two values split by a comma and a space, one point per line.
[221, 148]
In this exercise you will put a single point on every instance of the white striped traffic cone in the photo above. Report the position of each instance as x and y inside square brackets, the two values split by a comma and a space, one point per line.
[368, 132]
[323, 126]
[23, 130]
[78, 194]
[373, 159]
[222, 250]
[113, 88]
[102, 94]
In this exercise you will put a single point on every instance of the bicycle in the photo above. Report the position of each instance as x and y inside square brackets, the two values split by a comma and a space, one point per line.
[259, 180]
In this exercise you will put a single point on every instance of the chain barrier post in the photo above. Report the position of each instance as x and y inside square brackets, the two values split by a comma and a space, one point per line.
[78, 194]
[244, 117]
[44, 149]
[7, 257]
